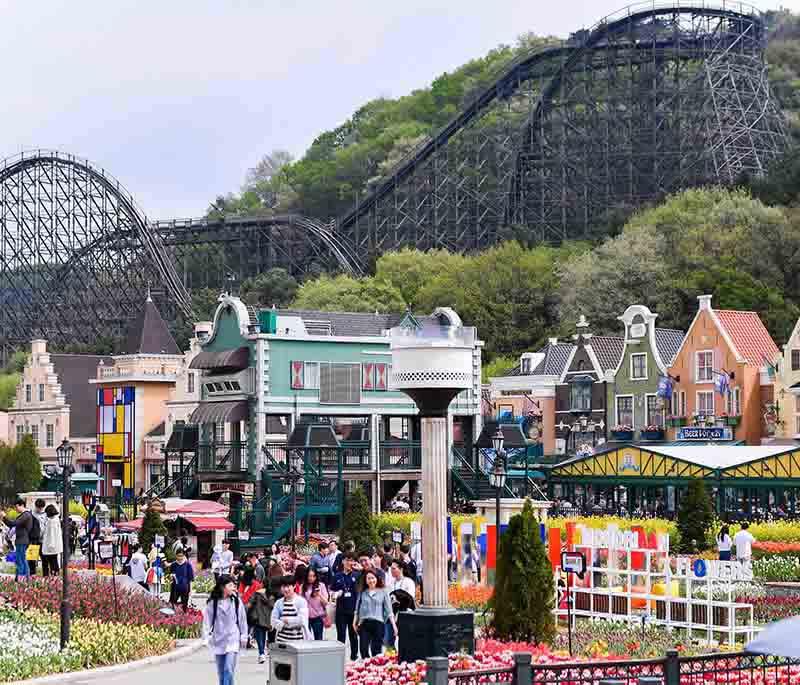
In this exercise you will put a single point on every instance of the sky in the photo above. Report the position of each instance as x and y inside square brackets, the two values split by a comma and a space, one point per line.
[178, 98]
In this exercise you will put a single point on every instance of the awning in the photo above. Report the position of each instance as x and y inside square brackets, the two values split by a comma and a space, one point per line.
[135, 524]
[204, 523]
[183, 439]
[226, 360]
[220, 412]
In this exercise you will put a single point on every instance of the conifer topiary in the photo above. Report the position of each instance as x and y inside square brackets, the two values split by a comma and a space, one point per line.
[524, 593]
[695, 518]
[152, 525]
[357, 522]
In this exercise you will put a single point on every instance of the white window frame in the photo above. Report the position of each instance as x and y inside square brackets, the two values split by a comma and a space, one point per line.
[797, 424]
[617, 420]
[647, 417]
[697, 366]
[35, 434]
[683, 403]
[794, 355]
[190, 380]
[697, 403]
[308, 378]
[638, 378]
[28, 392]
[41, 392]
[49, 435]
[20, 433]
[733, 401]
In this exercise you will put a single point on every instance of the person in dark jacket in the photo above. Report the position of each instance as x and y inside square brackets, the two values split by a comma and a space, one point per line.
[182, 577]
[22, 527]
[345, 584]
[259, 613]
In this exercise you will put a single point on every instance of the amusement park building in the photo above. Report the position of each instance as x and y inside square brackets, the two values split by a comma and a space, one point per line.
[280, 383]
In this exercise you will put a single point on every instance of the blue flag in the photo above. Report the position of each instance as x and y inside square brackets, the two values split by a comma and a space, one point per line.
[664, 387]
[721, 383]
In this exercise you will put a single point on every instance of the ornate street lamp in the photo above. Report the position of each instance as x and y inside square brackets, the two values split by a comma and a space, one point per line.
[294, 484]
[497, 478]
[64, 454]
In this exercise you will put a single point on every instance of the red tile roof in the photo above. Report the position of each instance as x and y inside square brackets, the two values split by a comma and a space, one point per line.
[749, 335]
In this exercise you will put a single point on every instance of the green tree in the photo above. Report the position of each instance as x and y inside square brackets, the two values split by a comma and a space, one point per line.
[411, 270]
[695, 517]
[499, 366]
[16, 362]
[204, 303]
[347, 294]
[152, 525]
[274, 287]
[524, 591]
[20, 467]
[8, 389]
[357, 522]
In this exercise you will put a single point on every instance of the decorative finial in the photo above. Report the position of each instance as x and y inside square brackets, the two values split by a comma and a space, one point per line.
[149, 298]
[582, 322]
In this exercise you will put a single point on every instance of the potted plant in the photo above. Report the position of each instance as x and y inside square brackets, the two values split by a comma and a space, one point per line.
[622, 432]
[730, 420]
[652, 433]
[676, 421]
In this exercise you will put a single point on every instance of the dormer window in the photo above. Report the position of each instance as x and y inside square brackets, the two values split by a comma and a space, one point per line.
[526, 366]
[795, 360]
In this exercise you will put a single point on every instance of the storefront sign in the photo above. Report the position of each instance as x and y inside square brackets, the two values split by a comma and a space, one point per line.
[216, 488]
[705, 434]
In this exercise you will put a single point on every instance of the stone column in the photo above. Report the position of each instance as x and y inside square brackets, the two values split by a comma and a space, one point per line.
[434, 511]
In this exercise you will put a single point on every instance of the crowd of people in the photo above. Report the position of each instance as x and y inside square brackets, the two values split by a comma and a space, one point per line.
[273, 597]
[33, 537]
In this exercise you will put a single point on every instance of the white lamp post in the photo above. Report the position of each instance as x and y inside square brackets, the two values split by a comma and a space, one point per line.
[432, 364]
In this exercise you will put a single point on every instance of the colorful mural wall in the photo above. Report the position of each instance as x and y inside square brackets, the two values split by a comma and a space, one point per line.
[115, 435]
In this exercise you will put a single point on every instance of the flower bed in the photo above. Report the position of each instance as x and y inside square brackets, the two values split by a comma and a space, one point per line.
[777, 569]
[766, 549]
[93, 598]
[471, 597]
[771, 608]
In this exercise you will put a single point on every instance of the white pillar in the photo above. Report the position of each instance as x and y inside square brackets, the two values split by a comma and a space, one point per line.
[434, 511]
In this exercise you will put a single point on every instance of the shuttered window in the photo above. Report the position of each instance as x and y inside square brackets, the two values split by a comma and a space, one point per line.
[339, 383]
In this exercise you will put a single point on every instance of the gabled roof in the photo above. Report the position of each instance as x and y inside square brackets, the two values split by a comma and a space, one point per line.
[555, 359]
[668, 342]
[607, 349]
[749, 336]
[148, 333]
[74, 372]
[157, 432]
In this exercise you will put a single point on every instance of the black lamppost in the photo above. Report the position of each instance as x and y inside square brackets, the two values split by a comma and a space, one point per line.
[294, 484]
[497, 479]
[64, 453]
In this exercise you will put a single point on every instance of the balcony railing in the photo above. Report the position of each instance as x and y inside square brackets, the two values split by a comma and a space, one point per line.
[223, 457]
[401, 455]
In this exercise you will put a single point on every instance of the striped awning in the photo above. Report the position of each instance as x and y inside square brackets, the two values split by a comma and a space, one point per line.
[220, 412]
[236, 359]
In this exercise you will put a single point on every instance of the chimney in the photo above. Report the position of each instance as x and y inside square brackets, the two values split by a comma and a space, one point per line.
[552, 341]
[704, 302]
[38, 347]
[100, 367]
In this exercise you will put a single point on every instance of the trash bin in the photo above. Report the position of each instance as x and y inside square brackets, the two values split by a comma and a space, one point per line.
[310, 662]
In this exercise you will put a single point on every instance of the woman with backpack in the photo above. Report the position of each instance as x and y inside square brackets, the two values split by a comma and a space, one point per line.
[259, 613]
[225, 627]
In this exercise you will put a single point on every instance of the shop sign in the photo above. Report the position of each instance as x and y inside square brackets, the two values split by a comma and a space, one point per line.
[712, 569]
[216, 488]
[609, 538]
[704, 433]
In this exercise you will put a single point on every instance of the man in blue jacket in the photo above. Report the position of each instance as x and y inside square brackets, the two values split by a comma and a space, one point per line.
[182, 577]
[345, 583]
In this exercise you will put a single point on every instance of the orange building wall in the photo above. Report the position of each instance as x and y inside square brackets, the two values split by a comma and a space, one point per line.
[154, 411]
[548, 407]
[704, 335]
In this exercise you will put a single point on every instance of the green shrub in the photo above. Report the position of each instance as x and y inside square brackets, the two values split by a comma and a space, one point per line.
[357, 522]
[524, 592]
[695, 518]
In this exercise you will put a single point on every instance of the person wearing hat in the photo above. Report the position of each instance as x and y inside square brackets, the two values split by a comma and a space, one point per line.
[290, 615]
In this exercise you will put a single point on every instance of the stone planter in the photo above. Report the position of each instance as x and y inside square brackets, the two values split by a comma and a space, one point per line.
[622, 436]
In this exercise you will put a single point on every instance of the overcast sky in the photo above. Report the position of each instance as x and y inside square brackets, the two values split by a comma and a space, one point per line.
[178, 98]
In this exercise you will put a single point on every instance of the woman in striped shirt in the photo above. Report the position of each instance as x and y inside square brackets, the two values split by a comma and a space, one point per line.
[290, 615]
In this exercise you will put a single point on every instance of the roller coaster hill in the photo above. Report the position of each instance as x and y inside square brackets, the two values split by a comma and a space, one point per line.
[658, 97]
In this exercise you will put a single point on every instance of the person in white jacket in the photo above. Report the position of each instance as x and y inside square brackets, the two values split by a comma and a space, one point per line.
[52, 541]
[290, 615]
